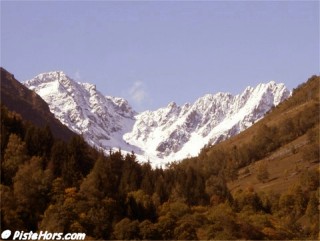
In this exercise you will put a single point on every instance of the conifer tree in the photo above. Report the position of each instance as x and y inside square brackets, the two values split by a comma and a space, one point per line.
[10, 218]
[15, 155]
[59, 156]
[31, 188]
[127, 230]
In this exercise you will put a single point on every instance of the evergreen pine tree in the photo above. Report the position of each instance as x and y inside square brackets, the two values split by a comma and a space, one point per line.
[15, 155]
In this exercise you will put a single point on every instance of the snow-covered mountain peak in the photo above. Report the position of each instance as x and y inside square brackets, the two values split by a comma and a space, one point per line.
[102, 120]
[175, 132]
[172, 105]
[47, 77]
[167, 134]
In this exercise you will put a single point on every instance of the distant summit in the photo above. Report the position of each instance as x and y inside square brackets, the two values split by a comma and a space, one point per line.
[167, 134]
[102, 120]
[176, 132]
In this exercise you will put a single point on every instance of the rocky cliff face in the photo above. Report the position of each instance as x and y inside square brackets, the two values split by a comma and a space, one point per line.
[167, 134]
[175, 132]
[102, 120]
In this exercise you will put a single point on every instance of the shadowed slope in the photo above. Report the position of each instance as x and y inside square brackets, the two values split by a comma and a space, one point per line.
[18, 98]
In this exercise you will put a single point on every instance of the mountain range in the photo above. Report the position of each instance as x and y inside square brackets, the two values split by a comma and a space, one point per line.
[170, 133]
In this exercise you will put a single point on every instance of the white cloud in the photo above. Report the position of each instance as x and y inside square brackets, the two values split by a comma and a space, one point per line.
[77, 75]
[137, 92]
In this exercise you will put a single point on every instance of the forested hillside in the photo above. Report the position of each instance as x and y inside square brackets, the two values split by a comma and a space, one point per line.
[59, 186]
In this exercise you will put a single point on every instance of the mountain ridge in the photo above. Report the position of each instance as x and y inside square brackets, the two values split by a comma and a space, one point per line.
[78, 105]
[163, 135]
[18, 98]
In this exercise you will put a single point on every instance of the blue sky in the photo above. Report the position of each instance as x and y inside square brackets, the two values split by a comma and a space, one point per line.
[154, 52]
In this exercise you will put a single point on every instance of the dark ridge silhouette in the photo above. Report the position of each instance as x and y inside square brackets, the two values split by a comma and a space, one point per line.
[18, 98]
